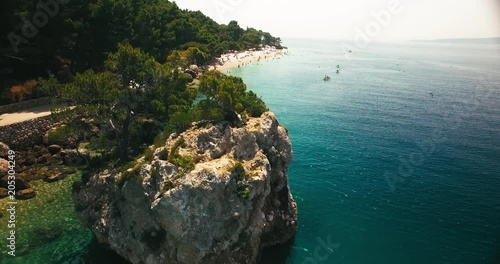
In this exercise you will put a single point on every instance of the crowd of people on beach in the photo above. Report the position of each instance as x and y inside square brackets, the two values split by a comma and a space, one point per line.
[239, 59]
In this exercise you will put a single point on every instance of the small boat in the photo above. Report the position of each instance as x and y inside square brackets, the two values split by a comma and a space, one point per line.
[326, 78]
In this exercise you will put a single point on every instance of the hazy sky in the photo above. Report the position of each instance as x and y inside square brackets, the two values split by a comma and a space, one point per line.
[340, 19]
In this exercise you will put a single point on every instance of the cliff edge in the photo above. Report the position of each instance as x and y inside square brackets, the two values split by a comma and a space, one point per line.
[213, 194]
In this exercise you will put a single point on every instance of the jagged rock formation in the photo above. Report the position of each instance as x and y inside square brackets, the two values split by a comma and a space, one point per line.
[214, 194]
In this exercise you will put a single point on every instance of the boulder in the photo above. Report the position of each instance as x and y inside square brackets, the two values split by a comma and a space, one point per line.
[25, 194]
[29, 160]
[20, 183]
[71, 157]
[43, 159]
[194, 68]
[56, 159]
[43, 151]
[191, 73]
[55, 177]
[225, 208]
[54, 149]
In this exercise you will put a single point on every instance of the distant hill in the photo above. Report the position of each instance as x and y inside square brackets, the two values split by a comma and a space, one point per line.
[465, 40]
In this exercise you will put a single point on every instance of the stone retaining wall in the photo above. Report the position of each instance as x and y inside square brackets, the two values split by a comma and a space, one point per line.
[26, 135]
[24, 105]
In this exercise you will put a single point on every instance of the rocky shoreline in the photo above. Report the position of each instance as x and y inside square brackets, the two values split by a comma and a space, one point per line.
[213, 194]
[49, 163]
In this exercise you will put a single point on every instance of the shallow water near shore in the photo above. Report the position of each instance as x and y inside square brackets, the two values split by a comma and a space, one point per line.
[47, 230]
[395, 159]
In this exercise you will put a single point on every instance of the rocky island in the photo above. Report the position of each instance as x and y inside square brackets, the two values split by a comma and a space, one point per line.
[212, 194]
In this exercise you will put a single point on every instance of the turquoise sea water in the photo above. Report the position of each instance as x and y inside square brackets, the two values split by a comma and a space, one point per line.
[383, 170]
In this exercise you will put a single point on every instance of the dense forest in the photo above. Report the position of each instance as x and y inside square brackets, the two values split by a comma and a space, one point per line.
[64, 37]
[119, 64]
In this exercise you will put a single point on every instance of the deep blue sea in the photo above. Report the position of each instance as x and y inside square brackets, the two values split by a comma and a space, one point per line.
[396, 158]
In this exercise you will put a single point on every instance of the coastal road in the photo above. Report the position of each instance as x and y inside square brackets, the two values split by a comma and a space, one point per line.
[21, 116]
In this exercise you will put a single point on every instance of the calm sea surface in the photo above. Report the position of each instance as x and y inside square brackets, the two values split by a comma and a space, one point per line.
[396, 158]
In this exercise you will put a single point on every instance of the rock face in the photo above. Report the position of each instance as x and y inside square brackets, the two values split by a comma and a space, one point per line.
[226, 200]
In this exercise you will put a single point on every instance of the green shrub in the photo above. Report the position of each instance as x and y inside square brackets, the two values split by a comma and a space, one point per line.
[181, 121]
[62, 134]
[238, 171]
[143, 131]
[57, 135]
[127, 175]
[207, 110]
[228, 95]
[246, 193]
[253, 105]
[183, 163]
[148, 154]
[101, 143]
[179, 143]
[163, 154]
[241, 176]
[162, 137]
[96, 158]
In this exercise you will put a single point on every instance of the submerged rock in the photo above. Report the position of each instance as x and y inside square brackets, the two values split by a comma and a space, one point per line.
[55, 177]
[219, 197]
[20, 183]
[25, 194]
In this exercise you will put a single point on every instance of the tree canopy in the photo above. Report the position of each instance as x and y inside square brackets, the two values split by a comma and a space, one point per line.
[81, 34]
[226, 97]
[132, 86]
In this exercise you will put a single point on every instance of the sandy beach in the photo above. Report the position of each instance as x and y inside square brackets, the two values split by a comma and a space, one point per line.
[243, 58]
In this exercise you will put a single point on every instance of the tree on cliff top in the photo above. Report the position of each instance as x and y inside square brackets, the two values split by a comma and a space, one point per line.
[226, 97]
[134, 86]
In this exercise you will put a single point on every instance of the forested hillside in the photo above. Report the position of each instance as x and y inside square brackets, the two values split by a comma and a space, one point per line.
[64, 37]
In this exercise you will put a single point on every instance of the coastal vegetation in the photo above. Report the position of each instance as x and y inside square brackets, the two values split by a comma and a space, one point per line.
[120, 65]
[79, 35]
[134, 89]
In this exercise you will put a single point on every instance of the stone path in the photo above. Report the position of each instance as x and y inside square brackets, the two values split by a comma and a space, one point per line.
[21, 116]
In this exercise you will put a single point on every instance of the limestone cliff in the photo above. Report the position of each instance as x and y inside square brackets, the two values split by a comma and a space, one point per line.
[225, 200]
